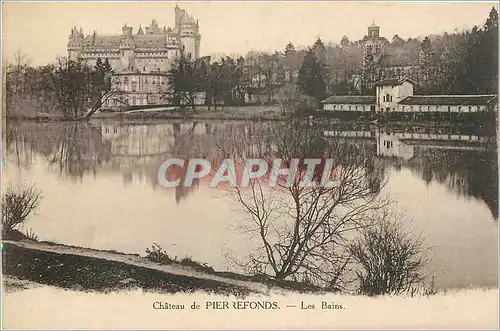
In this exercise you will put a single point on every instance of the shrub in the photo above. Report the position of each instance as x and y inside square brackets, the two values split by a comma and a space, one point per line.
[189, 262]
[158, 254]
[17, 205]
[390, 258]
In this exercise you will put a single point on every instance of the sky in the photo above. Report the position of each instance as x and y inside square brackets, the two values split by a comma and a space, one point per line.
[41, 29]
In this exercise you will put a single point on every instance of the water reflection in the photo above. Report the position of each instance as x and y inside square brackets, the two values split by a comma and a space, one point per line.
[71, 149]
[463, 160]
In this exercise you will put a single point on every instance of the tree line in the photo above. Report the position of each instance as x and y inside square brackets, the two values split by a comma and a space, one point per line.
[66, 86]
[458, 63]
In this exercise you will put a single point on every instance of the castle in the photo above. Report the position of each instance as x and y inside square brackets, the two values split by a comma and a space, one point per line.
[149, 50]
[140, 60]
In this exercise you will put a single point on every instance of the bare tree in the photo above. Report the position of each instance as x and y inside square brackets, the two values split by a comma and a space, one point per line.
[17, 205]
[15, 78]
[303, 233]
[391, 259]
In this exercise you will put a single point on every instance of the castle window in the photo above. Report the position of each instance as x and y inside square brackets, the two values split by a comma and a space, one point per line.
[429, 108]
[449, 108]
[470, 108]
[459, 108]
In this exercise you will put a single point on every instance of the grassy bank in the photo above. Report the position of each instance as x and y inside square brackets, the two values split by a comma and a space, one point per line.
[86, 269]
[85, 273]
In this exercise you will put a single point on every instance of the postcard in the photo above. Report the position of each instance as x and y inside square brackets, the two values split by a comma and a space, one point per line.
[250, 165]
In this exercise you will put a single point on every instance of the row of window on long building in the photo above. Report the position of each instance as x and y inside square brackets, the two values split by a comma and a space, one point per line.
[413, 108]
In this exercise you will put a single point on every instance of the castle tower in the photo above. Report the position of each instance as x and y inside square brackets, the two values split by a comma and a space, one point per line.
[127, 48]
[75, 44]
[188, 31]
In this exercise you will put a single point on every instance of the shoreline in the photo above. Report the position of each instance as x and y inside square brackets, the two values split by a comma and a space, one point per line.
[86, 269]
[239, 113]
[28, 264]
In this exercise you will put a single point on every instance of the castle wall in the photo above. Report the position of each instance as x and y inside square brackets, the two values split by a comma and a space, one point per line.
[144, 54]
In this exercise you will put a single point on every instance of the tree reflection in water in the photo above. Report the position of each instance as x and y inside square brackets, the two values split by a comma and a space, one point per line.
[72, 149]
[136, 150]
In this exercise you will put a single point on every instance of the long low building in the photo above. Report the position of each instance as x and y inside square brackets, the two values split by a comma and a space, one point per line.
[396, 96]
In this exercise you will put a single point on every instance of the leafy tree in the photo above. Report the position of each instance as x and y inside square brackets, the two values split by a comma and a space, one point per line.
[397, 40]
[294, 102]
[490, 49]
[345, 41]
[72, 84]
[311, 77]
[289, 49]
[183, 82]
[107, 66]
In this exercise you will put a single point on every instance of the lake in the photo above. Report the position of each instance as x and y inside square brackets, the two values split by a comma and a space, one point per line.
[100, 189]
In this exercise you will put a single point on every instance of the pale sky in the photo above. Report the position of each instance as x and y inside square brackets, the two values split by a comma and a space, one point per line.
[41, 29]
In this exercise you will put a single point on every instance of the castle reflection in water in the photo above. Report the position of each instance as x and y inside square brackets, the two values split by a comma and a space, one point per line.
[463, 160]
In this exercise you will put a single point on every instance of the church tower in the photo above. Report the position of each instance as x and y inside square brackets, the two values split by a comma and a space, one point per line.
[373, 44]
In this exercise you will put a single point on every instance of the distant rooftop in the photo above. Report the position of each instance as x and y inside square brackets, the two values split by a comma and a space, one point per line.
[394, 82]
[351, 99]
[450, 100]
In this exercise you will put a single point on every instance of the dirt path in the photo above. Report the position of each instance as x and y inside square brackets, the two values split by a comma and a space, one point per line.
[137, 261]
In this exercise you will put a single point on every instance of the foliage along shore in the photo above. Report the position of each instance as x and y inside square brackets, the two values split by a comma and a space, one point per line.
[201, 113]
[85, 269]
[256, 113]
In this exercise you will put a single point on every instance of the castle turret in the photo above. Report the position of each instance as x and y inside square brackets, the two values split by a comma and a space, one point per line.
[75, 43]
[188, 31]
[127, 30]
[127, 48]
